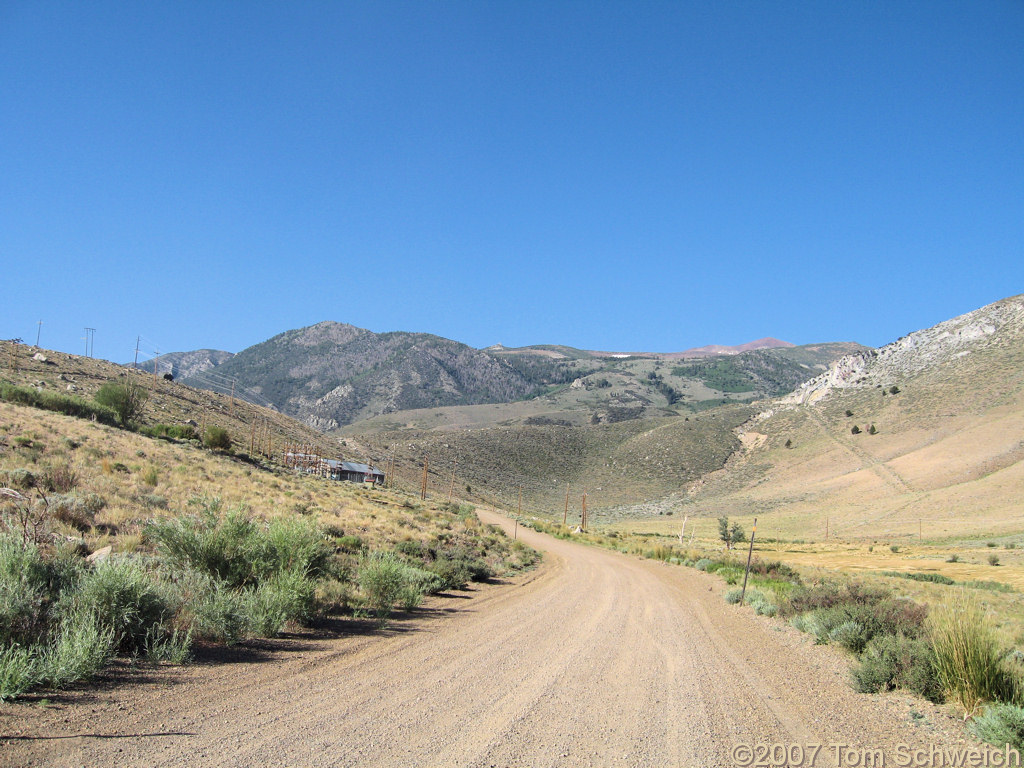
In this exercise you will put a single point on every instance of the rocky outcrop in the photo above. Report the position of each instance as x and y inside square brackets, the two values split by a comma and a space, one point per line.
[996, 324]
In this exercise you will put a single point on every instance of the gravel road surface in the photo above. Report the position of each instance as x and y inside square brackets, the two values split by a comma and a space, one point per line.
[593, 659]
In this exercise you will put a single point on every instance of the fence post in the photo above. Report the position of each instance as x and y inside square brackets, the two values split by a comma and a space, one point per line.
[750, 552]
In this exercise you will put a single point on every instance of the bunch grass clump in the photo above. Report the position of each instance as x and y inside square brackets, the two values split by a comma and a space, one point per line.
[969, 659]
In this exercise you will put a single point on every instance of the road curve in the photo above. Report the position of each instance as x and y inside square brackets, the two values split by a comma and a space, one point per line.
[594, 659]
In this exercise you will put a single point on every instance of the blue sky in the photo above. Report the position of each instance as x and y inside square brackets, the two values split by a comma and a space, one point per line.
[613, 175]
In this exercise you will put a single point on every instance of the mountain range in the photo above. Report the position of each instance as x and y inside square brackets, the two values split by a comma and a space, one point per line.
[332, 374]
[923, 434]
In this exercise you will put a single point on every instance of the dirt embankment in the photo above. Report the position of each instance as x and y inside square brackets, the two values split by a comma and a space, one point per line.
[595, 659]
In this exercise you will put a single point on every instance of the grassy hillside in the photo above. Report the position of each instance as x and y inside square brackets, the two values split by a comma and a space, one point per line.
[937, 453]
[167, 402]
[619, 465]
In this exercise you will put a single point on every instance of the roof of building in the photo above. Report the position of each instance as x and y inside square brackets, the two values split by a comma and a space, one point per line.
[353, 466]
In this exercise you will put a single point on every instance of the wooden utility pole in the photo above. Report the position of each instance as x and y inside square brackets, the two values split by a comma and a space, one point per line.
[232, 397]
[252, 439]
[565, 514]
[423, 485]
[583, 515]
[520, 499]
[451, 486]
[138, 339]
[750, 553]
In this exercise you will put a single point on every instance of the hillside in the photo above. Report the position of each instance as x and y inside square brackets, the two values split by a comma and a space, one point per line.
[619, 464]
[168, 402]
[331, 375]
[938, 449]
[610, 390]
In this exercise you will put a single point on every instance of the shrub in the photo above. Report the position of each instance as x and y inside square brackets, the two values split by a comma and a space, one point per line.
[763, 606]
[731, 574]
[702, 564]
[991, 586]
[993, 559]
[968, 658]
[824, 594]
[896, 661]
[173, 647]
[236, 549]
[287, 596]
[76, 510]
[453, 574]
[851, 635]
[59, 478]
[424, 581]
[350, 543]
[125, 599]
[210, 610]
[81, 649]
[217, 439]
[125, 398]
[18, 478]
[854, 624]
[171, 431]
[53, 401]
[935, 578]
[1001, 725]
[18, 671]
[24, 585]
[382, 578]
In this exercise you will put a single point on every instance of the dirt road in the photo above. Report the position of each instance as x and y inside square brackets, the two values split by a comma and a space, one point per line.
[595, 659]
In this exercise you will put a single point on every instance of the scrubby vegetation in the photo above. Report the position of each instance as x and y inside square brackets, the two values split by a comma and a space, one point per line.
[55, 401]
[218, 575]
[124, 397]
[261, 551]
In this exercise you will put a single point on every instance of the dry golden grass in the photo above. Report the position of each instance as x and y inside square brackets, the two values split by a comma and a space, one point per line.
[120, 467]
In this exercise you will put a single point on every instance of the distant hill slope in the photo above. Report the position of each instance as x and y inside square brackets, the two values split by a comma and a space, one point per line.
[922, 436]
[618, 465]
[184, 365]
[604, 391]
[331, 375]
